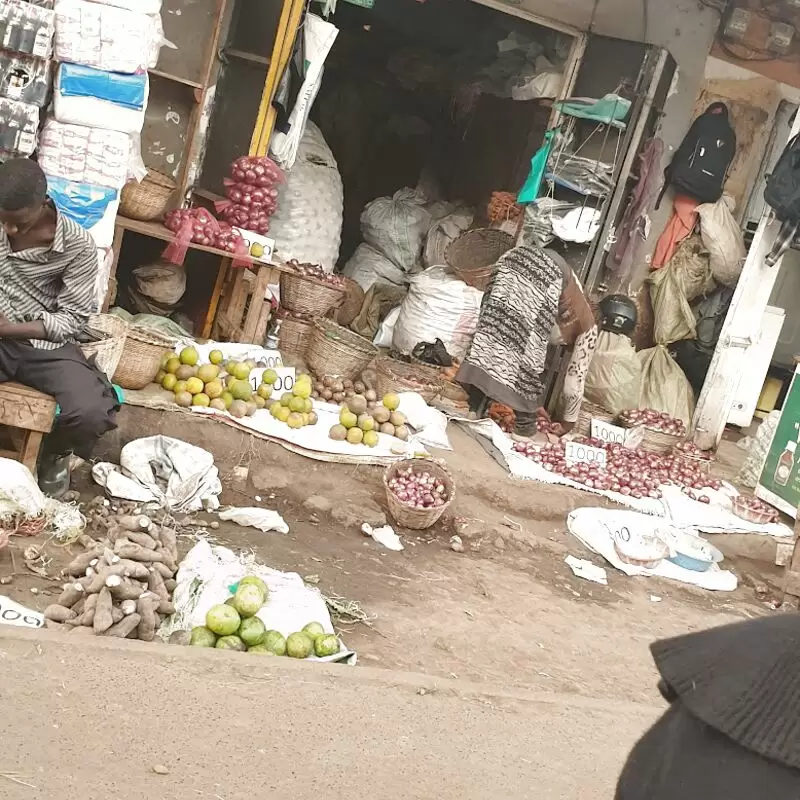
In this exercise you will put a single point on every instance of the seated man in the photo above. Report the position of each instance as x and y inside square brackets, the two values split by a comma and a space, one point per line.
[48, 265]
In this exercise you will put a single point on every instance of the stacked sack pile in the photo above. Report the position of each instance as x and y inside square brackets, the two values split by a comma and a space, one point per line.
[26, 42]
[90, 146]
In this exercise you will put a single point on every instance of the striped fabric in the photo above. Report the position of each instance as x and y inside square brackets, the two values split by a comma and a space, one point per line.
[517, 316]
[53, 285]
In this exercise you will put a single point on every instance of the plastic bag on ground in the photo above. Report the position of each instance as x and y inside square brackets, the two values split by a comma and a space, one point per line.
[396, 226]
[614, 379]
[367, 266]
[261, 518]
[438, 306]
[674, 286]
[175, 474]
[664, 385]
[307, 225]
[723, 239]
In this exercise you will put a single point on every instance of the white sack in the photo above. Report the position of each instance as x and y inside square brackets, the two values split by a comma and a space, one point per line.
[396, 226]
[723, 239]
[367, 266]
[307, 224]
[443, 231]
[438, 306]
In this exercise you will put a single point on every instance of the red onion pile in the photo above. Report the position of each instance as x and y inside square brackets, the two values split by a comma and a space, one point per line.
[316, 271]
[252, 193]
[418, 489]
[199, 226]
[655, 420]
[634, 473]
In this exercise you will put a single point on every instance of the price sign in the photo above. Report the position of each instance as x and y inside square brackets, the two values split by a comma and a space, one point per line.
[606, 432]
[578, 453]
[12, 613]
[284, 383]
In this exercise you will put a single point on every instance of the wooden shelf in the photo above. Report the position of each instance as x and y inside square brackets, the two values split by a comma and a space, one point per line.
[155, 230]
[175, 78]
[241, 55]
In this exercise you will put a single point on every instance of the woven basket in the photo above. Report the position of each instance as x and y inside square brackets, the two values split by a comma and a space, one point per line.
[308, 295]
[294, 336]
[454, 392]
[334, 350]
[473, 255]
[654, 441]
[398, 376]
[417, 519]
[588, 412]
[141, 357]
[149, 199]
[108, 351]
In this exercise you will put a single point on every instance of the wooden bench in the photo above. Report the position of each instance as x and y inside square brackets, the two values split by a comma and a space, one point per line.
[27, 415]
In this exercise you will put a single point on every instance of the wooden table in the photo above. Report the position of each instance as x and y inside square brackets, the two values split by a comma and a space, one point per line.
[155, 230]
[28, 415]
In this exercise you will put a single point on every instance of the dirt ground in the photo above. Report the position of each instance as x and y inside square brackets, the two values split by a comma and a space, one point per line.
[506, 611]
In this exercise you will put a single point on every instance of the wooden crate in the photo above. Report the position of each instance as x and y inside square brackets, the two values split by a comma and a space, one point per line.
[244, 312]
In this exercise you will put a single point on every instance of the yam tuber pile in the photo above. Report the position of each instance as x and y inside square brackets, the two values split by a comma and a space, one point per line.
[122, 585]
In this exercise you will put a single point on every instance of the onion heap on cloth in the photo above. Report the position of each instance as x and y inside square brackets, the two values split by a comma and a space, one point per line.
[634, 473]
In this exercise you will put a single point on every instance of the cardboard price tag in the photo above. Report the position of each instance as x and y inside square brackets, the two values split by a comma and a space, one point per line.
[606, 432]
[578, 453]
[284, 383]
[12, 613]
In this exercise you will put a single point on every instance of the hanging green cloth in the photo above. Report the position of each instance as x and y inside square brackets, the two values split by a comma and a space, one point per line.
[530, 189]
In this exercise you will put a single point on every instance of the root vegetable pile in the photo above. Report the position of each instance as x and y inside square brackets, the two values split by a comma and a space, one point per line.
[654, 420]
[633, 473]
[122, 585]
[316, 271]
[418, 489]
[234, 625]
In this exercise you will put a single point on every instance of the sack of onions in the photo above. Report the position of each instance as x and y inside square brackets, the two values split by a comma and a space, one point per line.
[418, 491]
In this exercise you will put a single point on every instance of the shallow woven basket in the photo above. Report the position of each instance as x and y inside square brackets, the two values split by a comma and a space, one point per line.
[334, 350]
[473, 255]
[141, 357]
[149, 199]
[655, 441]
[294, 336]
[755, 515]
[308, 295]
[588, 412]
[417, 519]
[398, 376]
[107, 352]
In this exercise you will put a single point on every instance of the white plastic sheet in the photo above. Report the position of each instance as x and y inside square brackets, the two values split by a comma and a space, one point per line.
[173, 473]
[261, 518]
[204, 580]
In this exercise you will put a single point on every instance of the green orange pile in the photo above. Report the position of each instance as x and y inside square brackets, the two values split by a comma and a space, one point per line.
[225, 387]
[295, 408]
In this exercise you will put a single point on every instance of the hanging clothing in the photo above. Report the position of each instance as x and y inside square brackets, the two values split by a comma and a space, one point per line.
[634, 226]
[681, 224]
[731, 732]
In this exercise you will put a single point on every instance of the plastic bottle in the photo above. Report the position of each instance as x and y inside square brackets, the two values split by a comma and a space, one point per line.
[783, 471]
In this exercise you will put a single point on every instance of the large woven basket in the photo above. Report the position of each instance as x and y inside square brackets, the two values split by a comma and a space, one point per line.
[454, 392]
[334, 350]
[417, 519]
[398, 376]
[588, 412]
[294, 335]
[141, 357]
[308, 295]
[473, 255]
[149, 199]
[108, 351]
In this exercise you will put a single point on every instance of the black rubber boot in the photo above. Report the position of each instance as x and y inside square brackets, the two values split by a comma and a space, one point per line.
[54, 475]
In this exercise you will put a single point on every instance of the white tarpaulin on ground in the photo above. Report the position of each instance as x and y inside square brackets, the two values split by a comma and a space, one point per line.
[680, 509]
[205, 578]
[159, 469]
[596, 528]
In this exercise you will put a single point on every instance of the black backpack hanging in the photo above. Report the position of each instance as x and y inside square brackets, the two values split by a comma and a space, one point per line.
[701, 163]
[782, 192]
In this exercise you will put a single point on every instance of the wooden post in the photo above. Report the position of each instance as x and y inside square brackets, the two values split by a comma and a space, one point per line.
[791, 580]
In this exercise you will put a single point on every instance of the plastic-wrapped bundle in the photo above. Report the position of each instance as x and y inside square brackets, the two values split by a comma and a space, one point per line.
[26, 28]
[308, 223]
[24, 78]
[18, 125]
[85, 155]
[106, 37]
